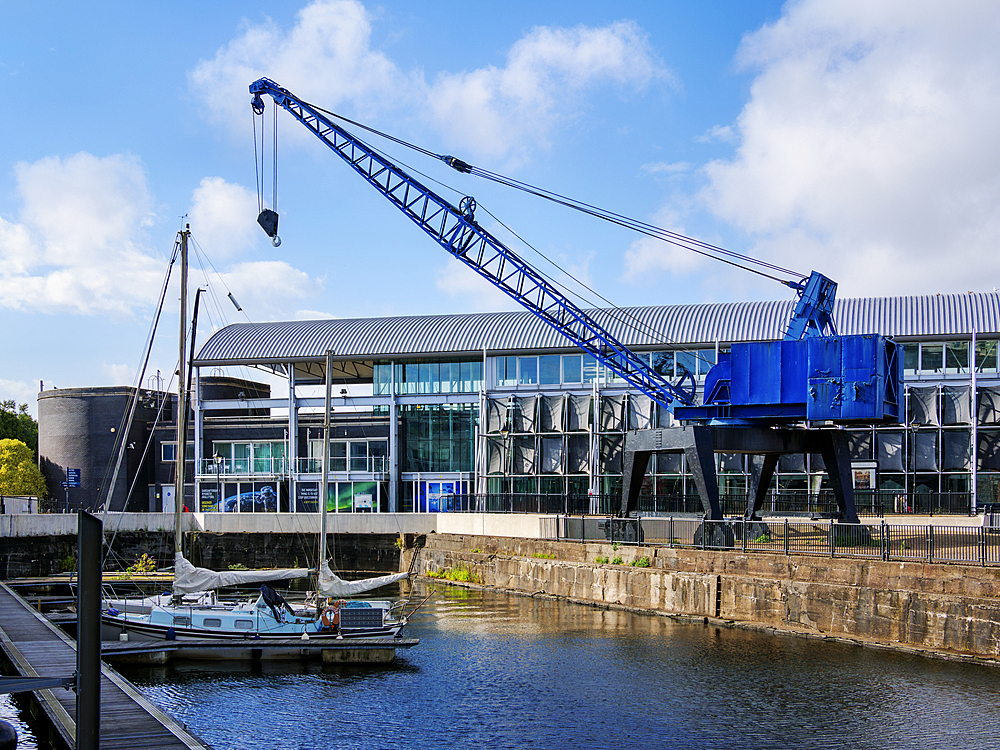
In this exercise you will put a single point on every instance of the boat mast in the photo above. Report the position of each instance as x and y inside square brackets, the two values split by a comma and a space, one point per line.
[325, 481]
[181, 402]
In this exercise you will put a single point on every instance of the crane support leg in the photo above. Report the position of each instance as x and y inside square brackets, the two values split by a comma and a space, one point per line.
[833, 447]
[762, 468]
[764, 444]
[701, 461]
[696, 442]
[634, 465]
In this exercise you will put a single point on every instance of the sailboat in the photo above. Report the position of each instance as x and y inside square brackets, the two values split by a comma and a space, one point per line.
[192, 609]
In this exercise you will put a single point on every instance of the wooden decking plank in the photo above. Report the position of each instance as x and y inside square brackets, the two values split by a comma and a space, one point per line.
[38, 649]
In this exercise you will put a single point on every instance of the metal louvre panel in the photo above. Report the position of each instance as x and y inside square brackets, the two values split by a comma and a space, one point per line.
[639, 327]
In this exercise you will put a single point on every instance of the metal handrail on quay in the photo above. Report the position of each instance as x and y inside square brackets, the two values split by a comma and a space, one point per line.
[869, 503]
[967, 545]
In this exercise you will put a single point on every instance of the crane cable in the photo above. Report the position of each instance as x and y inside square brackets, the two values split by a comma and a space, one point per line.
[651, 230]
[616, 313]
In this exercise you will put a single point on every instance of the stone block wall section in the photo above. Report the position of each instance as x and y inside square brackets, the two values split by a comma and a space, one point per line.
[949, 609]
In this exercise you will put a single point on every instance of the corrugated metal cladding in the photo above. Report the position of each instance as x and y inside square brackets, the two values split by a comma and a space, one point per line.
[640, 327]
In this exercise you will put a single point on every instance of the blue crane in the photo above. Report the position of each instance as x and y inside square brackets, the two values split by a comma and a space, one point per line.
[813, 374]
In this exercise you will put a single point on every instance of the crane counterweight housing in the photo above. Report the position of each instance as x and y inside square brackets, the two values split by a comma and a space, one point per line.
[843, 379]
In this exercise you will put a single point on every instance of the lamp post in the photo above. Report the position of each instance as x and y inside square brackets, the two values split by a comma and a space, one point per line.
[218, 484]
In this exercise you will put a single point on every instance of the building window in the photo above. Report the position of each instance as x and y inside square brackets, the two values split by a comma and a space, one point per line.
[338, 456]
[549, 370]
[957, 356]
[931, 357]
[572, 368]
[415, 378]
[248, 458]
[986, 356]
[527, 373]
[168, 452]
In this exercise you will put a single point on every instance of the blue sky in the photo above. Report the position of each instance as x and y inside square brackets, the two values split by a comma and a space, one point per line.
[856, 138]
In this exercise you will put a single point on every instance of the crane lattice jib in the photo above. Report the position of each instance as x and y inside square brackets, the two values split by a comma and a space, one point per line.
[458, 233]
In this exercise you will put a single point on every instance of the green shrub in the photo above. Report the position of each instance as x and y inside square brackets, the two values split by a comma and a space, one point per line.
[142, 566]
[462, 575]
[617, 561]
[642, 562]
[67, 564]
[543, 556]
[601, 560]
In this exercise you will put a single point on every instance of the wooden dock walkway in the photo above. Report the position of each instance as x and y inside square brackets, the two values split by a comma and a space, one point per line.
[37, 648]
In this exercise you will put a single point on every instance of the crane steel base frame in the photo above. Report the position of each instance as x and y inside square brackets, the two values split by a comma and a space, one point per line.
[700, 442]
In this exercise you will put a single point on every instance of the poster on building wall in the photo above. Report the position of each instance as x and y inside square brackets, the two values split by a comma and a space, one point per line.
[306, 497]
[863, 473]
[255, 498]
[208, 501]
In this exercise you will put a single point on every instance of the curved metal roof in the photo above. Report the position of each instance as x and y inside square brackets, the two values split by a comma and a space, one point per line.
[639, 327]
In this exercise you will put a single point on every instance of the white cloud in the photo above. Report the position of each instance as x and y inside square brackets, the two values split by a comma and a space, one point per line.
[326, 58]
[23, 393]
[269, 290]
[717, 134]
[459, 281]
[118, 374]
[78, 243]
[80, 246]
[499, 112]
[313, 315]
[870, 146]
[647, 256]
[661, 167]
[222, 217]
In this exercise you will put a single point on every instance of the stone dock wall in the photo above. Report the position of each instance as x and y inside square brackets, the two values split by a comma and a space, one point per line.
[947, 609]
[37, 556]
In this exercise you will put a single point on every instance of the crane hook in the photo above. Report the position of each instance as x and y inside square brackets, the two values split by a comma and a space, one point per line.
[257, 104]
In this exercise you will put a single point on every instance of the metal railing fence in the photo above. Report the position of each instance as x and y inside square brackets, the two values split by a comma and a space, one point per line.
[969, 545]
[869, 504]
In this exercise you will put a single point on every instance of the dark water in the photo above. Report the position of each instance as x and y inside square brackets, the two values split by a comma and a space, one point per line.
[13, 714]
[499, 671]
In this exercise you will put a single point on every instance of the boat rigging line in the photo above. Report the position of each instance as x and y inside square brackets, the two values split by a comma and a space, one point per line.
[126, 421]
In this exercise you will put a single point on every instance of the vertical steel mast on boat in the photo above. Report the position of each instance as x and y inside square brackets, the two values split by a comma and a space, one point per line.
[181, 402]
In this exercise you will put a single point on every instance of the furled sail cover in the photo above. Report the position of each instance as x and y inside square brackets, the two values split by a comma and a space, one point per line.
[190, 580]
[334, 587]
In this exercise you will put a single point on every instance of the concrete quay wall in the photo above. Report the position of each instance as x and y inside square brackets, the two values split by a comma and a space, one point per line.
[947, 609]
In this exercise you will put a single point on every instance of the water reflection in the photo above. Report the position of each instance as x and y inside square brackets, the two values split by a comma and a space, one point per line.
[502, 671]
[17, 716]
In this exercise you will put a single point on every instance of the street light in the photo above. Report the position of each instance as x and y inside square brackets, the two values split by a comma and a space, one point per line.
[218, 484]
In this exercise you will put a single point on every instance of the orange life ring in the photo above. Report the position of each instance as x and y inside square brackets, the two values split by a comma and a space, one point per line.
[331, 615]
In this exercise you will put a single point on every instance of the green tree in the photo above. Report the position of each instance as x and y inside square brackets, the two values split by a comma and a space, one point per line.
[18, 473]
[17, 424]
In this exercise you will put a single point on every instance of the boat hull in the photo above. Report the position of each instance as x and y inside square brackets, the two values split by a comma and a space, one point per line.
[113, 628]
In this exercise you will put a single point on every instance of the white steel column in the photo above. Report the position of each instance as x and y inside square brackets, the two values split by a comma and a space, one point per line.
[292, 450]
[975, 427]
[198, 432]
[394, 464]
